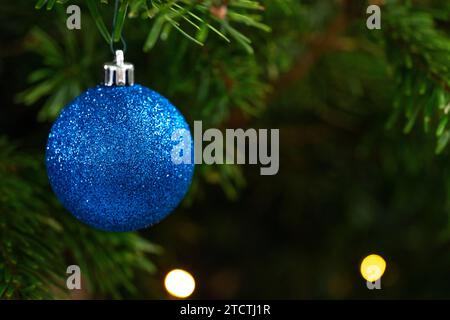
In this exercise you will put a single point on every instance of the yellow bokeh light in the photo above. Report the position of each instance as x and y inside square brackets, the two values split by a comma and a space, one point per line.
[373, 267]
[179, 283]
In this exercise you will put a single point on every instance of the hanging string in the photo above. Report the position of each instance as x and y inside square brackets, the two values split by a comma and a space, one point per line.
[124, 44]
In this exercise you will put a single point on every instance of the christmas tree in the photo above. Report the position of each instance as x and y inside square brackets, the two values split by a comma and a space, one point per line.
[360, 93]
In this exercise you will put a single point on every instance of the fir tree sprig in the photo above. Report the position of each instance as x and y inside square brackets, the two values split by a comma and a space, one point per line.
[193, 19]
[40, 239]
[420, 54]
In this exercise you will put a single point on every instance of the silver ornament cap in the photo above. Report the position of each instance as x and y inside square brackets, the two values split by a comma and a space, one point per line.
[118, 72]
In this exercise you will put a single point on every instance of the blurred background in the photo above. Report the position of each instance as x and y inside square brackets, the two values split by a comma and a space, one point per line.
[364, 161]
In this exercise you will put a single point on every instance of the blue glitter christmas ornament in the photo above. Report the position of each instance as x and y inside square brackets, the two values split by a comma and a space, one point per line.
[109, 154]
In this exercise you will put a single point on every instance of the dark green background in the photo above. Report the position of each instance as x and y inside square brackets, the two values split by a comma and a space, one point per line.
[347, 186]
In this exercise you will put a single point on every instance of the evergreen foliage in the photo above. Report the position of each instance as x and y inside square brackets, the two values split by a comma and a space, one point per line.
[230, 62]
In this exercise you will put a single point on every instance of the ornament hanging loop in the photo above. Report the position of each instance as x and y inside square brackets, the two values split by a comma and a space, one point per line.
[119, 72]
[111, 44]
[124, 45]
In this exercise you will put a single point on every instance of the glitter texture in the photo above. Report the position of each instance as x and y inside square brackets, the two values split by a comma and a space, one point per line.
[109, 158]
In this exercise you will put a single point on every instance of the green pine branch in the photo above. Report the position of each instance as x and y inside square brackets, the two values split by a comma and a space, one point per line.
[420, 54]
[193, 19]
[39, 240]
